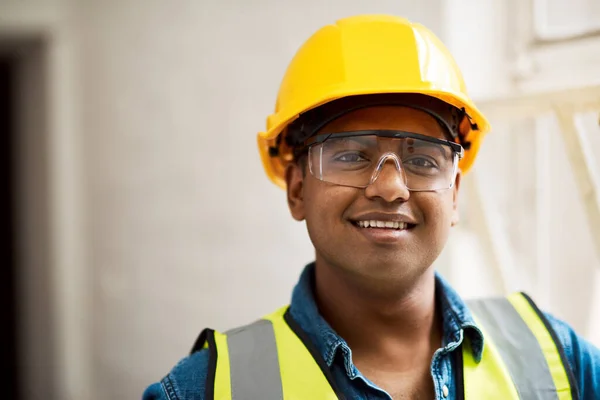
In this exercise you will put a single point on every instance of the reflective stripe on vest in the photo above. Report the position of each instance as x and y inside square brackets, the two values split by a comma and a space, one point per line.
[271, 359]
[254, 348]
[254, 366]
[526, 352]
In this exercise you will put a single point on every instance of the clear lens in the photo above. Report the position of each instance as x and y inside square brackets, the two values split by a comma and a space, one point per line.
[358, 160]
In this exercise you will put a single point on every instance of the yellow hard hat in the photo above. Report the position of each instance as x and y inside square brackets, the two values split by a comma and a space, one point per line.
[367, 54]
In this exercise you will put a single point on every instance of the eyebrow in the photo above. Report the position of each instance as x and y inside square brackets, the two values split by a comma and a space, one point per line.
[419, 143]
[357, 139]
[438, 146]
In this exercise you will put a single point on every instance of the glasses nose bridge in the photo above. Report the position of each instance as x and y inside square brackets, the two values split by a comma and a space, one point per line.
[381, 163]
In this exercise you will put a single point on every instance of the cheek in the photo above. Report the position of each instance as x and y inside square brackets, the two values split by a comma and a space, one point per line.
[438, 210]
[325, 206]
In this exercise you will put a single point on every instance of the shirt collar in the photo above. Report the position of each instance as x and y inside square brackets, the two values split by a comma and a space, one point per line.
[457, 321]
[303, 309]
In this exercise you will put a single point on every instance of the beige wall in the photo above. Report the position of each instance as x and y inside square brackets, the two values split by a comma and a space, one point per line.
[163, 220]
[186, 231]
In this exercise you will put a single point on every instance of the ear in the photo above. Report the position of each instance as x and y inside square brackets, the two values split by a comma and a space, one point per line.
[294, 178]
[455, 189]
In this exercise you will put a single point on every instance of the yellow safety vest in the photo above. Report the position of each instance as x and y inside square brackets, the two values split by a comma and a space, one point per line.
[274, 359]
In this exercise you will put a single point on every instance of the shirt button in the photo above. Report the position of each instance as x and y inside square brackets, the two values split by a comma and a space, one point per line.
[445, 391]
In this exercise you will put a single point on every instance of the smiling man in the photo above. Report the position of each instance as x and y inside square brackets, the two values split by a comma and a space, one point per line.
[371, 134]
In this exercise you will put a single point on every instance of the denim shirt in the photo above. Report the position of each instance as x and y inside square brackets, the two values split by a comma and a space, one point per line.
[187, 380]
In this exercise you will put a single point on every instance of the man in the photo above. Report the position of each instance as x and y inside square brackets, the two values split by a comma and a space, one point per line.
[371, 135]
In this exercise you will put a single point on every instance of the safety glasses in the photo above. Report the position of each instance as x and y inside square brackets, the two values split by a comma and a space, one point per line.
[357, 158]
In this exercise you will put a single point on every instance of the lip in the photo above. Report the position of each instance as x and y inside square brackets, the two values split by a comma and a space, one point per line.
[384, 235]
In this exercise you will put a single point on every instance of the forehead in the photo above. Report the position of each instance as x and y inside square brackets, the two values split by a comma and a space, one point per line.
[386, 117]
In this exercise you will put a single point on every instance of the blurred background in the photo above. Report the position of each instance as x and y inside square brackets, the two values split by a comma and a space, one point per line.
[135, 210]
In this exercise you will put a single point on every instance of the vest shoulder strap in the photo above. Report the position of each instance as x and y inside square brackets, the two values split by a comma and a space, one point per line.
[521, 344]
[264, 360]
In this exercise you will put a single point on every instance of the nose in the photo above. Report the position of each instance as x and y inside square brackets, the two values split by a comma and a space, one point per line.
[388, 181]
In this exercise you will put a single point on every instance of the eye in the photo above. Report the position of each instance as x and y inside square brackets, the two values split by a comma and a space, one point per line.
[350, 158]
[420, 162]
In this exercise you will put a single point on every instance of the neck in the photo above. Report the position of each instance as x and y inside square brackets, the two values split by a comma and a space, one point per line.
[380, 323]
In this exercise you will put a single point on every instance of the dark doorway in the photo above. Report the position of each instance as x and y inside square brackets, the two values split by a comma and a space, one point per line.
[9, 380]
[26, 341]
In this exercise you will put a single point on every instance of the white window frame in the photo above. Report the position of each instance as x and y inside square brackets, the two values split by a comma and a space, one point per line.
[544, 34]
[551, 64]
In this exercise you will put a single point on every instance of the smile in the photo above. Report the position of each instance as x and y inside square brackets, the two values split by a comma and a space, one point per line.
[383, 224]
[384, 232]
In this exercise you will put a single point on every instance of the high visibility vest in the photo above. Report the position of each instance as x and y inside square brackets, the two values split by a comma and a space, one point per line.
[274, 359]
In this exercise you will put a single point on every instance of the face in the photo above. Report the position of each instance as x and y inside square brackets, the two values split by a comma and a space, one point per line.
[334, 213]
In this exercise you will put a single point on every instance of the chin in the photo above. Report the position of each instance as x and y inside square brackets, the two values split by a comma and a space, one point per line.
[388, 267]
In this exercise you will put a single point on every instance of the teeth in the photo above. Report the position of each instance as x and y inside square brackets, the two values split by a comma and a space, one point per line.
[383, 224]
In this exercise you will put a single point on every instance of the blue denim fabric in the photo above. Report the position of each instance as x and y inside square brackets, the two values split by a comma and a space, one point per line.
[187, 380]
